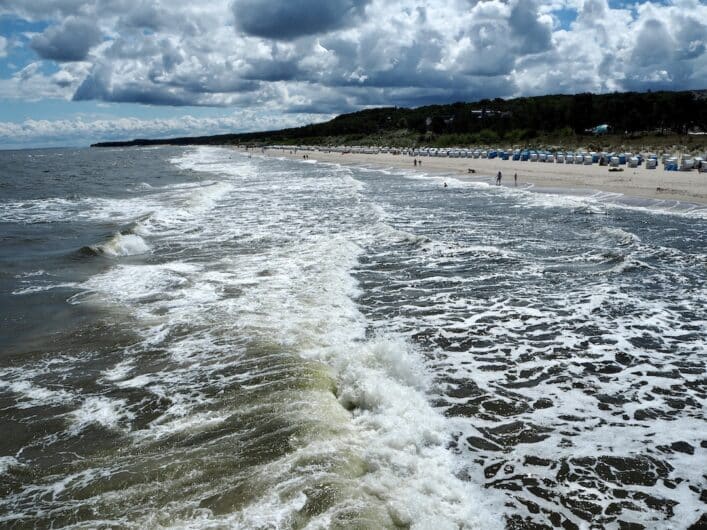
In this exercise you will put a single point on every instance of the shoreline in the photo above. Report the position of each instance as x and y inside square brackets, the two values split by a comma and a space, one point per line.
[657, 184]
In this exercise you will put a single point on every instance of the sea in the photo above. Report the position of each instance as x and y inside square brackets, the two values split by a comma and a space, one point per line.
[200, 337]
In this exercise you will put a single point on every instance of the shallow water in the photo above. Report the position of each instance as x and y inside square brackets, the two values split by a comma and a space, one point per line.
[195, 338]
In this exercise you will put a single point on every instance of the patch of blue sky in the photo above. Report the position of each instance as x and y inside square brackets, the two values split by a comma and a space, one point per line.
[18, 111]
[633, 4]
[565, 17]
[19, 54]
[12, 25]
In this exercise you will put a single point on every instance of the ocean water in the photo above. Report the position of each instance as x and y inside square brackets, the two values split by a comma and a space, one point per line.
[197, 338]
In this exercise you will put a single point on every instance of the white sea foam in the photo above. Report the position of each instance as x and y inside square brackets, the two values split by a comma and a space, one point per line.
[308, 304]
[123, 245]
[250, 308]
[297, 291]
[30, 274]
[29, 395]
[99, 410]
[119, 371]
[41, 288]
[54, 210]
[7, 463]
[590, 202]
[247, 325]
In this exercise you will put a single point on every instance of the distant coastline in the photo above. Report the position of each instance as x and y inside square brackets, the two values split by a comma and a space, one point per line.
[652, 121]
[663, 124]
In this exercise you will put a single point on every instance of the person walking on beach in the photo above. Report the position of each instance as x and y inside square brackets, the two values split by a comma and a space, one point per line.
[515, 178]
[414, 162]
[498, 178]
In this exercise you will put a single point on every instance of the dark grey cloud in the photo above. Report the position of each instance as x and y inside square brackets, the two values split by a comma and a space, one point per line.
[287, 20]
[273, 70]
[691, 40]
[63, 82]
[98, 85]
[146, 16]
[196, 86]
[654, 45]
[665, 60]
[150, 16]
[492, 54]
[70, 41]
[104, 84]
[95, 87]
[466, 89]
[532, 35]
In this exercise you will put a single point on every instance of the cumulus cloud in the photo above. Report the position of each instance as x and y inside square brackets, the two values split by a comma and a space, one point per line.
[3, 46]
[654, 44]
[30, 83]
[40, 9]
[532, 31]
[286, 20]
[69, 41]
[307, 56]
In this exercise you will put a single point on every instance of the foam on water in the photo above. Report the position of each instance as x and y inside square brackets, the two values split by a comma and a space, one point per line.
[313, 346]
[306, 301]
[55, 210]
[7, 463]
[545, 373]
[122, 245]
[29, 395]
[99, 410]
[246, 326]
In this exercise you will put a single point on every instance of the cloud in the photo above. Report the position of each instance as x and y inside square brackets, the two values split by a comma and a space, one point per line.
[3, 46]
[654, 44]
[533, 32]
[82, 130]
[98, 86]
[286, 19]
[42, 9]
[307, 56]
[30, 83]
[69, 41]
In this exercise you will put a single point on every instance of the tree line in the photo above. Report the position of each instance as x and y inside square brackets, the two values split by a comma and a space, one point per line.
[521, 118]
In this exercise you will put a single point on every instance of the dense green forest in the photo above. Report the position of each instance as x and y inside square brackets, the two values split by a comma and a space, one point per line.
[525, 120]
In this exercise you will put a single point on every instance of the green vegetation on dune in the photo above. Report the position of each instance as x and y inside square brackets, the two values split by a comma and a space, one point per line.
[657, 119]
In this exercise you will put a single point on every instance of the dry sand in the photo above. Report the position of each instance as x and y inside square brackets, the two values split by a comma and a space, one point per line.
[684, 186]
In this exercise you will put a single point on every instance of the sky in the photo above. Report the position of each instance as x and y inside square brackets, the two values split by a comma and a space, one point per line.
[78, 71]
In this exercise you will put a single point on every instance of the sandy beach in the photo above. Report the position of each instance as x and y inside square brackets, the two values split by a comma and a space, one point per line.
[688, 186]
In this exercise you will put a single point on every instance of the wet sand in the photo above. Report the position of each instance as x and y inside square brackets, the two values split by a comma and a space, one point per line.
[687, 186]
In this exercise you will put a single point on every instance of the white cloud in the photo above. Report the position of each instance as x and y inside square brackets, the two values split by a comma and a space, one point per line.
[31, 84]
[383, 52]
[3, 46]
[85, 129]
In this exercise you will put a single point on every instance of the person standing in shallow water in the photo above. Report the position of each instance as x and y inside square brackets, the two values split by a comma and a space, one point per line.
[498, 178]
[515, 179]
